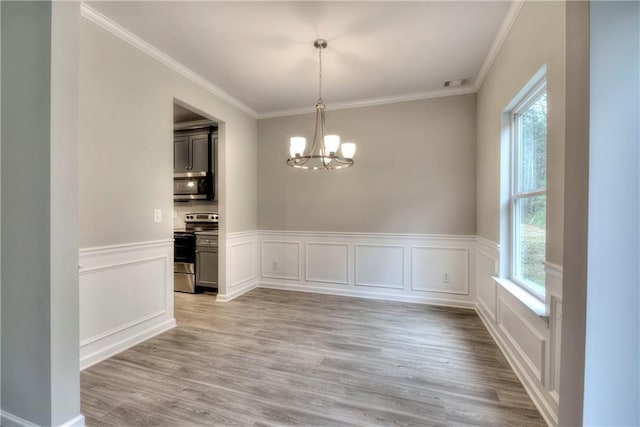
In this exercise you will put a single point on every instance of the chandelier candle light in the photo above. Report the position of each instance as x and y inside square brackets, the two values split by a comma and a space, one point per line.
[322, 155]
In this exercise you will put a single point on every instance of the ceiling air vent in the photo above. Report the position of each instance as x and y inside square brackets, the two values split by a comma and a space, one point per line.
[456, 83]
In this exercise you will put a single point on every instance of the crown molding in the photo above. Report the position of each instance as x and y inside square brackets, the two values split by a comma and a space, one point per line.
[112, 27]
[440, 93]
[505, 28]
[125, 35]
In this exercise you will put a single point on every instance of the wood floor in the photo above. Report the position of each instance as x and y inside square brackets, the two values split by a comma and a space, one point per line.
[287, 358]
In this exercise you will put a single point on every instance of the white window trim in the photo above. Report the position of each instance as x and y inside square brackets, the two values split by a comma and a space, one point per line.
[527, 100]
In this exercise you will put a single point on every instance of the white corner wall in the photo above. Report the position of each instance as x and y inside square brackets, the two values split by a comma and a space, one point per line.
[576, 207]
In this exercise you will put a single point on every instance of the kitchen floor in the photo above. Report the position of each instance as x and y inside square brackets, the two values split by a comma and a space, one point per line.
[289, 358]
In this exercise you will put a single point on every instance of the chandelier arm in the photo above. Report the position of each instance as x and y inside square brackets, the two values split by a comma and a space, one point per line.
[303, 160]
[323, 133]
[338, 164]
[315, 129]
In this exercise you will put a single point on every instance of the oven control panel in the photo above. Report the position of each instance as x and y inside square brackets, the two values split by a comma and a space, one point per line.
[201, 217]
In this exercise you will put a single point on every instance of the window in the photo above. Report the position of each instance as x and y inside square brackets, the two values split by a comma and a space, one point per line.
[528, 199]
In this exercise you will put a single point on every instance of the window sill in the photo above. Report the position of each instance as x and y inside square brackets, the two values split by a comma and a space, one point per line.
[532, 303]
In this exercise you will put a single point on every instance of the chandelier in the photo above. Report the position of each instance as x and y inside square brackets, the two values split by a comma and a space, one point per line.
[325, 149]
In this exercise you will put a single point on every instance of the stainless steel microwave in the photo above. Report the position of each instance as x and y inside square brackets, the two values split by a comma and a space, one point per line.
[193, 186]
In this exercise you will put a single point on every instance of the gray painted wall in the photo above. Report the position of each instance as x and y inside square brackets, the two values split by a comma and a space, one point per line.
[0, 212]
[126, 144]
[26, 292]
[537, 38]
[612, 356]
[40, 377]
[414, 171]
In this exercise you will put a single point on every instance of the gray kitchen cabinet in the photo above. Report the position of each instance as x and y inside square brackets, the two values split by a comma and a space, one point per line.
[199, 152]
[207, 267]
[191, 153]
[181, 154]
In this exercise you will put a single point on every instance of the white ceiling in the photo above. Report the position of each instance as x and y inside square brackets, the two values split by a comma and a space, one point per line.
[262, 54]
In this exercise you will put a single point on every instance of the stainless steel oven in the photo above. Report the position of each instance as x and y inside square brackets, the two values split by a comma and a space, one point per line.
[195, 253]
[184, 261]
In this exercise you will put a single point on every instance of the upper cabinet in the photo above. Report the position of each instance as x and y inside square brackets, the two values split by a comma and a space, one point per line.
[192, 150]
[200, 152]
[181, 154]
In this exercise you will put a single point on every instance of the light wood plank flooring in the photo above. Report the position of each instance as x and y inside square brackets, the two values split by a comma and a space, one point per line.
[288, 358]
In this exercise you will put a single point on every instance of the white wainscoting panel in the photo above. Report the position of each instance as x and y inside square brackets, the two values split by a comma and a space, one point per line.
[133, 288]
[553, 280]
[529, 340]
[280, 259]
[380, 265]
[126, 297]
[486, 267]
[430, 265]
[327, 262]
[370, 265]
[556, 334]
[241, 265]
[523, 336]
[242, 258]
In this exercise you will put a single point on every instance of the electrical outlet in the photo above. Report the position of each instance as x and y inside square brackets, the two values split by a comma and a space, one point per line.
[446, 277]
[175, 214]
[157, 216]
[274, 265]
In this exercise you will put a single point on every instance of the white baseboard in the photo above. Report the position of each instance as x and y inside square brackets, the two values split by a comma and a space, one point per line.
[10, 420]
[528, 383]
[129, 341]
[236, 292]
[75, 422]
[369, 295]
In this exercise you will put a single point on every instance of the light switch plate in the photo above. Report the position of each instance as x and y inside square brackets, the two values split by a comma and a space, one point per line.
[157, 216]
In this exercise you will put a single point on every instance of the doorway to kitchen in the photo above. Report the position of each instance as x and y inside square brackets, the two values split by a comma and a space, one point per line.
[197, 168]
